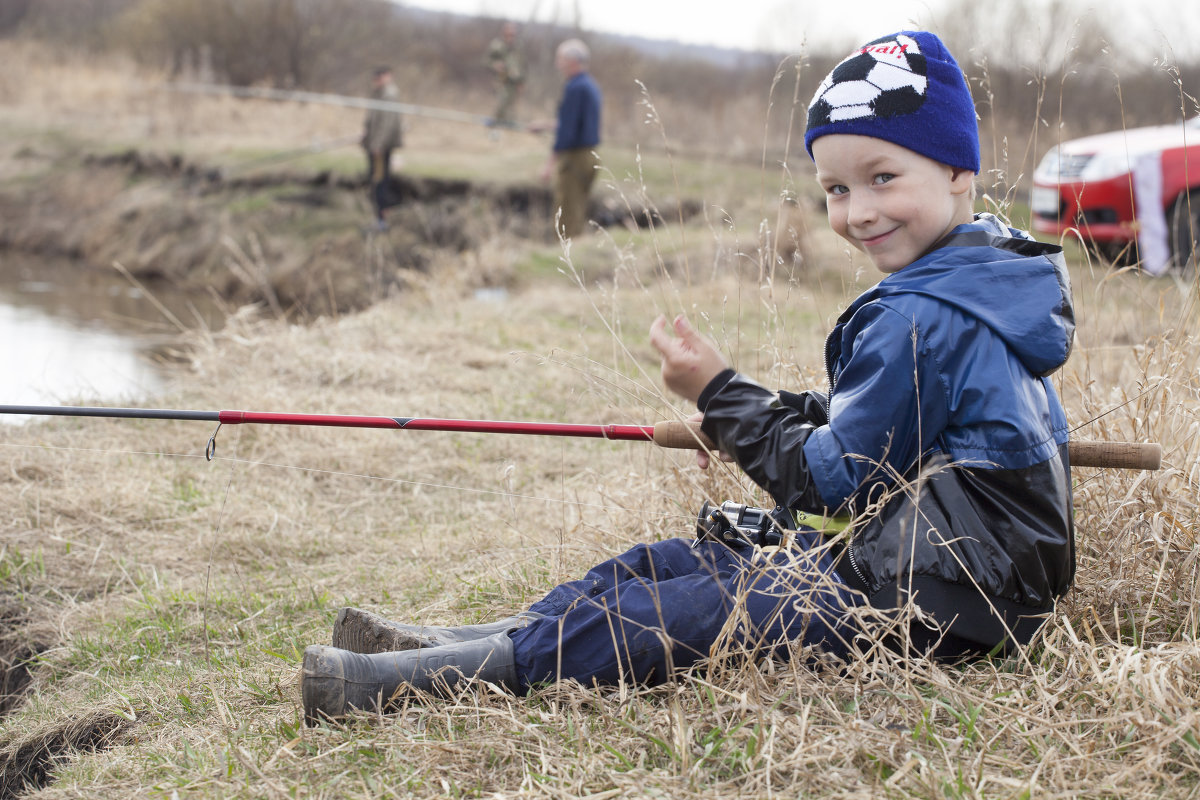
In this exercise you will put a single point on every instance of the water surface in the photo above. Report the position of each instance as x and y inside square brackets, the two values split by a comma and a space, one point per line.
[79, 336]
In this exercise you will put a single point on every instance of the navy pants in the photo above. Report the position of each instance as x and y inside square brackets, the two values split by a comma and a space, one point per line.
[658, 608]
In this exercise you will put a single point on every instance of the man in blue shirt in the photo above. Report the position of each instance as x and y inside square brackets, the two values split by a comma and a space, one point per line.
[573, 160]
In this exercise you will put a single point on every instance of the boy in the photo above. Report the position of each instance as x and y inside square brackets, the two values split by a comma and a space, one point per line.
[940, 431]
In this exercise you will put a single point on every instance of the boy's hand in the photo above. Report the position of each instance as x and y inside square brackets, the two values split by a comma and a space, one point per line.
[703, 457]
[689, 360]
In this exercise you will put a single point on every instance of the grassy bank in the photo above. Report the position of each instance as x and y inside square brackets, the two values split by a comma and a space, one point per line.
[173, 596]
[159, 602]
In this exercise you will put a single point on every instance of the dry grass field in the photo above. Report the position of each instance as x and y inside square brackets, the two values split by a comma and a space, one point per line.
[156, 604]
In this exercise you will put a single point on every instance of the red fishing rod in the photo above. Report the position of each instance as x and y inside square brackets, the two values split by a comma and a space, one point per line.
[672, 433]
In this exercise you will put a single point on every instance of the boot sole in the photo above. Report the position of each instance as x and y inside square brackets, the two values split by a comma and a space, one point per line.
[363, 632]
[322, 685]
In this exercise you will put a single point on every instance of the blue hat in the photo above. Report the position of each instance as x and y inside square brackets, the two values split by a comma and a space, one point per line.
[904, 88]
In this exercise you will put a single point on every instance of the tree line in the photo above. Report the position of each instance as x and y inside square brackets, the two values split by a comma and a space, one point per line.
[1033, 84]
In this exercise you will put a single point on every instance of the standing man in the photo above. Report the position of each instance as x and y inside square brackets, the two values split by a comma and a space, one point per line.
[505, 61]
[382, 133]
[573, 160]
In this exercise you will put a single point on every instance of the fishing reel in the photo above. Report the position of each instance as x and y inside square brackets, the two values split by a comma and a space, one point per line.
[740, 525]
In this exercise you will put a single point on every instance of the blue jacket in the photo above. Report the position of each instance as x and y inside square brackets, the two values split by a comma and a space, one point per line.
[941, 422]
[578, 114]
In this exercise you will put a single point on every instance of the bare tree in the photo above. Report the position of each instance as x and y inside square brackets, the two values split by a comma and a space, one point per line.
[11, 14]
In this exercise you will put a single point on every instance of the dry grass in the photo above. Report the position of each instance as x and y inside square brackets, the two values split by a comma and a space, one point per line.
[170, 597]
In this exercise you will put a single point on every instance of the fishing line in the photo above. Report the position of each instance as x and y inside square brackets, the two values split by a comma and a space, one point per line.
[55, 447]
[343, 474]
[1119, 406]
[429, 485]
[213, 549]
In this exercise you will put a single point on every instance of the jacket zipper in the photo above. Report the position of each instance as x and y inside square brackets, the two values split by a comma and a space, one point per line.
[829, 365]
[854, 565]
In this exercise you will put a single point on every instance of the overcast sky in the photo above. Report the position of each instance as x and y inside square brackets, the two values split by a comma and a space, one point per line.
[756, 24]
[796, 25]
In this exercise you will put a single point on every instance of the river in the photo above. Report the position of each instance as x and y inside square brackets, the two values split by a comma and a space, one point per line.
[79, 336]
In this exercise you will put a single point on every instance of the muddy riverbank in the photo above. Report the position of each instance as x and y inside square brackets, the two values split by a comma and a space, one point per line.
[293, 240]
[289, 239]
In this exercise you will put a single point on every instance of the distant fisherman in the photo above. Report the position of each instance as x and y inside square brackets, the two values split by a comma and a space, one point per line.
[573, 160]
[382, 133]
[506, 62]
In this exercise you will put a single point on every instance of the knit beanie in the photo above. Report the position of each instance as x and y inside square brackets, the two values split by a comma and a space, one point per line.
[904, 88]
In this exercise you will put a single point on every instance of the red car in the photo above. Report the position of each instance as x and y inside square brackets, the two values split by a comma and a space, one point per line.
[1128, 193]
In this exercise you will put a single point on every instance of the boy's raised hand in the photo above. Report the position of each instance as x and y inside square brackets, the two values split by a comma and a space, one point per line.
[689, 360]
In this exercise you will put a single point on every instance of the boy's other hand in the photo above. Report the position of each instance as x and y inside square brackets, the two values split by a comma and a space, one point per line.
[689, 360]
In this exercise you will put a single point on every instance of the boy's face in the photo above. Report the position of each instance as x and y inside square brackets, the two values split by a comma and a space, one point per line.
[887, 200]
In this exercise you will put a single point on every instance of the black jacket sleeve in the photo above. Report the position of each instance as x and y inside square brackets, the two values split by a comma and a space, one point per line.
[765, 432]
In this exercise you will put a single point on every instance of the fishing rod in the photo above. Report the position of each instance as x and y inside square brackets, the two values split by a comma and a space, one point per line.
[263, 93]
[677, 434]
[290, 155]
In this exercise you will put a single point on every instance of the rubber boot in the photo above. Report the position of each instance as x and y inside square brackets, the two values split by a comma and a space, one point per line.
[335, 682]
[363, 632]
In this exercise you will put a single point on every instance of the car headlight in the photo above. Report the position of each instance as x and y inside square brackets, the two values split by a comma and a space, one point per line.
[1103, 166]
[1049, 169]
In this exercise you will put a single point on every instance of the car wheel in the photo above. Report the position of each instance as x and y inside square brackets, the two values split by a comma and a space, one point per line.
[1184, 227]
[1116, 254]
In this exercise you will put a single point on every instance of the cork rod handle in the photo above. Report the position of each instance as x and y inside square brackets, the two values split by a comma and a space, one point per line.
[1119, 455]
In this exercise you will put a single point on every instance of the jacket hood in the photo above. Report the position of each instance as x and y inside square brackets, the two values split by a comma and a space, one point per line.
[1040, 331]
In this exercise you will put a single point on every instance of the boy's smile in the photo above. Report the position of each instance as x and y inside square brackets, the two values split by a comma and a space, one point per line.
[888, 201]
